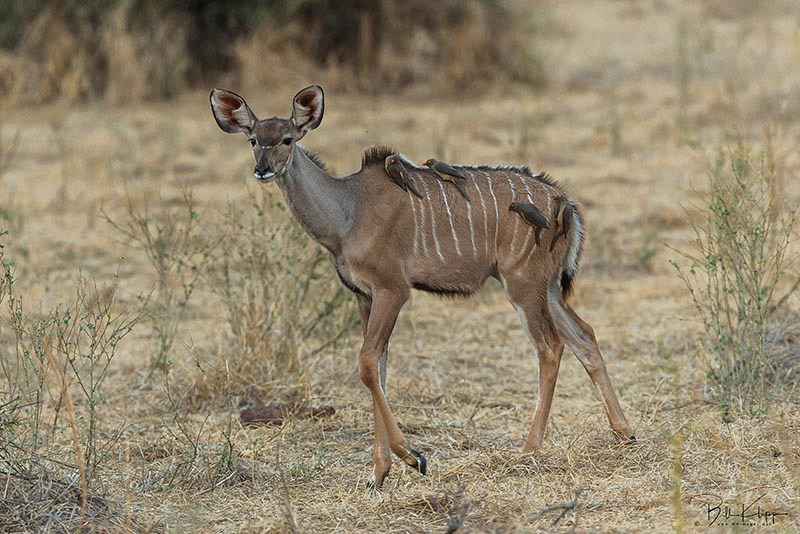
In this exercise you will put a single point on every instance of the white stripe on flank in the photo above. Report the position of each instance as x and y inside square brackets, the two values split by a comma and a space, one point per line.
[516, 219]
[496, 213]
[450, 217]
[424, 229]
[471, 230]
[416, 223]
[528, 193]
[485, 218]
[533, 248]
[433, 227]
[528, 234]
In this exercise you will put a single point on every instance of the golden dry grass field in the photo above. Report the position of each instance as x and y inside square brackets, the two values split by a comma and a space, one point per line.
[640, 97]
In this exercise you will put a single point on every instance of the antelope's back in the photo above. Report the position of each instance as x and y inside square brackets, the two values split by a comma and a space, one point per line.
[457, 243]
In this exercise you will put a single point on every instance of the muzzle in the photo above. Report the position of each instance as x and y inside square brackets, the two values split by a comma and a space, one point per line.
[263, 174]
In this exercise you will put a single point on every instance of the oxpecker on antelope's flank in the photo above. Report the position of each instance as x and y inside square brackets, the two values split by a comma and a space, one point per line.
[532, 216]
[446, 173]
[563, 220]
[398, 173]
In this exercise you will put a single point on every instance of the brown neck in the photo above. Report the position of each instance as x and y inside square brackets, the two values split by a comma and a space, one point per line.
[324, 206]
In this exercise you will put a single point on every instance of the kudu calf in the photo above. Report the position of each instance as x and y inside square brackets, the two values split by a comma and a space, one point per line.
[384, 241]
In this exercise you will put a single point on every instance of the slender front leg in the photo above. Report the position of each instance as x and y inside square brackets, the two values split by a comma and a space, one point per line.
[386, 305]
[381, 453]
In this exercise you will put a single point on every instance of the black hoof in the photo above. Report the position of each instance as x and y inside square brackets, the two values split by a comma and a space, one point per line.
[632, 439]
[421, 464]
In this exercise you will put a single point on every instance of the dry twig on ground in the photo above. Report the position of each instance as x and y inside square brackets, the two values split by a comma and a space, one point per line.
[564, 507]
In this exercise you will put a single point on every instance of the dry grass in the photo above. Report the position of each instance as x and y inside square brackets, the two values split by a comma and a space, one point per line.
[135, 51]
[461, 379]
[73, 51]
[450, 46]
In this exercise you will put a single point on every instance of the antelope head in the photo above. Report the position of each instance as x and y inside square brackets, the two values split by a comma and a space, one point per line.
[273, 140]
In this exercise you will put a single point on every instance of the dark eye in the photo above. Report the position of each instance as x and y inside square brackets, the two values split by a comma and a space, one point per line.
[287, 141]
[252, 142]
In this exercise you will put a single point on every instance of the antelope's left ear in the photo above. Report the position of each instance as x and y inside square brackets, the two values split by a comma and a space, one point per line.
[307, 108]
[231, 112]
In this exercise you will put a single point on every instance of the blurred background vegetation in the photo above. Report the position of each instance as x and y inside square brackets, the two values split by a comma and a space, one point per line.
[139, 50]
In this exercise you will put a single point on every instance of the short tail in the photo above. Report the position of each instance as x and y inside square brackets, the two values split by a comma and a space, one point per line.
[573, 256]
[461, 190]
[413, 188]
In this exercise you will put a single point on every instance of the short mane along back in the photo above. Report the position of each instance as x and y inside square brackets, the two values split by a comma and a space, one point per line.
[521, 169]
[313, 157]
[376, 155]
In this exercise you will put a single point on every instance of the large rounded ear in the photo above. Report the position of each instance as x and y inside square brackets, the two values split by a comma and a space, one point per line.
[231, 112]
[307, 108]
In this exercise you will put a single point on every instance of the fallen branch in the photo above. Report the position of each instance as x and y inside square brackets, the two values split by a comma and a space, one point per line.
[564, 507]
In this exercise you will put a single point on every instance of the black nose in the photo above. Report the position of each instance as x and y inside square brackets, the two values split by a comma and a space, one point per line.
[262, 169]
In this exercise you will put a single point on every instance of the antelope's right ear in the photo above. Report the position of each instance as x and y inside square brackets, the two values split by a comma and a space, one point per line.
[231, 112]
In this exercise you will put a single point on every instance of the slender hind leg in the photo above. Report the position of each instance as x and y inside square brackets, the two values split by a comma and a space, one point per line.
[381, 453]
[580, 338]
[535, 316]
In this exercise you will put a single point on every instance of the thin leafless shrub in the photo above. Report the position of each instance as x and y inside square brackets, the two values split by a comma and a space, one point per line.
[54, 368]
[177, 246]
[24, 376]
[85, 338]
[279, 296]
[735, 276]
